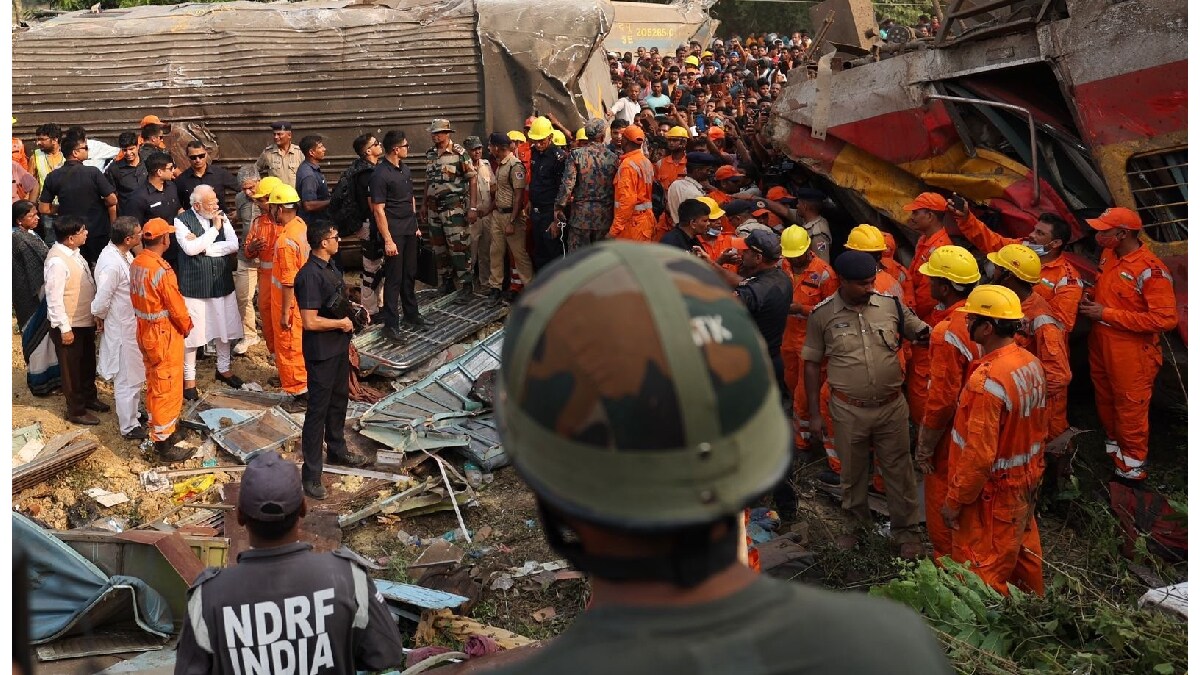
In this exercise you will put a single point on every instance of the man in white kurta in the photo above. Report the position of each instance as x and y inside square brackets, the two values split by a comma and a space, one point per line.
[209, 245]
[120, 359]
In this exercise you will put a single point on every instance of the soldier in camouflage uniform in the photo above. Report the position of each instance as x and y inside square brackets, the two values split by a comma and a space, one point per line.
[636, 400]
[449, 206]
[587, 187]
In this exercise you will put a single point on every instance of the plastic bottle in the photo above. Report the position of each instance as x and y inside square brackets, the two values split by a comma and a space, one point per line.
[474, 474]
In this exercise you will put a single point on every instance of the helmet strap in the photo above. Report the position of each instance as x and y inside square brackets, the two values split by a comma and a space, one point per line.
[695, 558]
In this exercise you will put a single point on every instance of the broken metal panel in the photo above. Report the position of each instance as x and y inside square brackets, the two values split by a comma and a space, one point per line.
[111, 641]
[448, 324]
[418, 596]
[270, 430]
[230, 399]
[646, 24]
[61, 453]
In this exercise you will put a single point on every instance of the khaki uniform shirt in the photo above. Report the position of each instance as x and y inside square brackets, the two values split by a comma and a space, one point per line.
[510, 176]
[274, 162]
[861, 344]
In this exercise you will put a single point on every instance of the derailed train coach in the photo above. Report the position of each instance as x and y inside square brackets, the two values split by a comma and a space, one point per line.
[223, 72]
[1022, 107]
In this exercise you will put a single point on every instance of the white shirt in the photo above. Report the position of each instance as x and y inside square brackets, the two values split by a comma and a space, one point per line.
[207, 243]
[680, 191]
[483, 185]
[57, 274]
[114, 306]
[626, 109]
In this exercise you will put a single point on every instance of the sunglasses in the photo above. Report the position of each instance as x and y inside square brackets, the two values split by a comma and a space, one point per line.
[196, 157]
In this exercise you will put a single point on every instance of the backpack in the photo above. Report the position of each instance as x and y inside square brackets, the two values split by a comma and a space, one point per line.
[347, 212]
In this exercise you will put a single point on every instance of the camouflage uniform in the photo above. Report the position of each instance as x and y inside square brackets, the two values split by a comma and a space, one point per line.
[448, 177]
[587, 187]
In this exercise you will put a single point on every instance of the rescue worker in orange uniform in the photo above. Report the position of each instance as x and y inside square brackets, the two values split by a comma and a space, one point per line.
[673, 165]
[996, 460]
[894, 268]
[1019, 269]
[1134, 302]
[1060, 282]
[952, 272]
[291, 252]
[717, 240]
[928, 216]
[162, 324]
[813, 280]
[521, 147]
[633, 216]
[260, 246]
[949, 276]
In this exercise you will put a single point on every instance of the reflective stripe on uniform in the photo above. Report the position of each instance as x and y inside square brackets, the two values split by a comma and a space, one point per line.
[645, 206]
[276, 283]
[1043, 320]
[1127, 460]
[957, 439]
[996, 389]
[1136, 473]
[1147, 273]
[196, 617]
[265, 265]
[1018, 460]
[361, 615]
[953, 340]
[151, 316]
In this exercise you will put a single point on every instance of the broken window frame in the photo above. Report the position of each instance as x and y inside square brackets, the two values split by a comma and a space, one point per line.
[1158, 183]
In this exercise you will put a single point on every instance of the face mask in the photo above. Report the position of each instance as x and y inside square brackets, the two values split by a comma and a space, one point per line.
[1037, 248]
[1107, 239]
[713, 231]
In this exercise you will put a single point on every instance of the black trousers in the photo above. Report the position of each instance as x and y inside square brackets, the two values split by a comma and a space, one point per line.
[400, 281]
[77, 364]
[325, 418]
[546, 249]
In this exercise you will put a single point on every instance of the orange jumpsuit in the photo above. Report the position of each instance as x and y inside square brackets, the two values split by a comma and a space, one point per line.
[895, 269]
[916, 380]
[162, 323]
[263, 233]
[633, 217]
[1042, 335]
[1060, 284]
[951, 352]
[291, 252]
[923, 303]
[810, 286]
[668, 171]
[996, 464]
[1138, 297]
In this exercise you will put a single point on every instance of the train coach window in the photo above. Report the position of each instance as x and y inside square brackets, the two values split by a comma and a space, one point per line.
[1159, 184]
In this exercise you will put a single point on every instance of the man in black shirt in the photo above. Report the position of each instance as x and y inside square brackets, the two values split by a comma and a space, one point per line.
[394, 208]
[547, 164]
[310, 182]
[81, 191]
[128, 173]
[693, 216]
[203, 172]
[326, 345]
[156, 198]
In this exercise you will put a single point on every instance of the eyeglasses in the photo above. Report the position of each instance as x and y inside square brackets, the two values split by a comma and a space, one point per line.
[403, 145]
[332, 236]
[375, 144]
[196, 157]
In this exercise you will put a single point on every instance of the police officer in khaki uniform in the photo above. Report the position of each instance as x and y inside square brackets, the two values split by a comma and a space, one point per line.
[508, 223]
[284, 608]
[858, 332]
[283, 159]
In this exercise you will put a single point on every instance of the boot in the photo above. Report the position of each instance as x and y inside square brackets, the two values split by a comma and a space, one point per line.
[447, 287]
[464, 296]
[169, 449]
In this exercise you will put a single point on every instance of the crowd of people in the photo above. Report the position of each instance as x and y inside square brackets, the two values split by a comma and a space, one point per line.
[963, 349]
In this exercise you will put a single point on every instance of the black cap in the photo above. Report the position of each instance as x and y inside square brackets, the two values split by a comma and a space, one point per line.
[281, 126]
[810, 194]
[765, 242]
[855, 265]
[739, 206]
[499, 139]
[704, 158]
[271, 489]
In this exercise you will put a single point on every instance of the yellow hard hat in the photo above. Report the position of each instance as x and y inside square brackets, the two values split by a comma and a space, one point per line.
[714, 209]
[284, 194]
[692, 61]
[866, 238]
[558, 137]
[581, 135]
[516, 136]
[266, 186]
[953, 263]
[1020, 260]
[541, 128]
[997, 302]
[794, 241]
[678, 132]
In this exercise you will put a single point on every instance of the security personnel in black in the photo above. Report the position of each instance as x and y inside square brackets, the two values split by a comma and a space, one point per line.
[766, 291]
[283, 608]
[693, 219]
[324, 312]
[546, 167]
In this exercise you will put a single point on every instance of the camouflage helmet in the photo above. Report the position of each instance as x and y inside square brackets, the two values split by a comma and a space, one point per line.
[636, 392]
